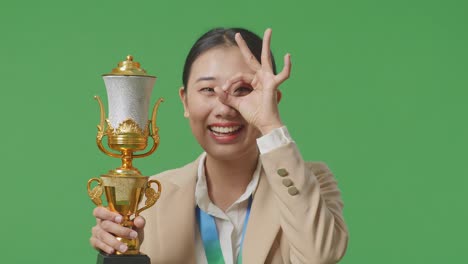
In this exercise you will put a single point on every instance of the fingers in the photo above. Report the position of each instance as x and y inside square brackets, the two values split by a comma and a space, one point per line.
[284, 74]
[118, 230]
[225, 98]
[105, 241]
[103, 213]
[248, 56]
[107, 227]
[103, 236]
[98, 244]
[239, 77]
[266, 53]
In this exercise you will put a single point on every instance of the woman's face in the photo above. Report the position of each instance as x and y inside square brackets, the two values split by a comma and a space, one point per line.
[219, 129]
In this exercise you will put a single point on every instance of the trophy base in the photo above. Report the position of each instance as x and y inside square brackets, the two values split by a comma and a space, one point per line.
[104, 258]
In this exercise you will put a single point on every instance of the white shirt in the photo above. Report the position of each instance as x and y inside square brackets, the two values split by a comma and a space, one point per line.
[230, 224]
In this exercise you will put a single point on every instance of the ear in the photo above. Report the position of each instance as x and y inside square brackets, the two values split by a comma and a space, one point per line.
[279, 95]
[183, 99]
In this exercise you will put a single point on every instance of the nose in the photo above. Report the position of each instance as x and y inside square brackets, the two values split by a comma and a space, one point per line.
[223, 111]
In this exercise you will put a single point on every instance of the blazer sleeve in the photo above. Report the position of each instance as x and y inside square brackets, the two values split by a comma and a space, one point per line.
[310, 206]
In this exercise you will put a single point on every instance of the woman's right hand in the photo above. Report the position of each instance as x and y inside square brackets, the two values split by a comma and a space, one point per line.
[108, 226]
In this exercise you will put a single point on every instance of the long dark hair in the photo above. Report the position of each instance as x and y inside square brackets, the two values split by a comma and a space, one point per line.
[222, 36]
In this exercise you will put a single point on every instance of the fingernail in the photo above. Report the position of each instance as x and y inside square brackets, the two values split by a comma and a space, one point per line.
[118, 219]
[133, 235]
[123, 248]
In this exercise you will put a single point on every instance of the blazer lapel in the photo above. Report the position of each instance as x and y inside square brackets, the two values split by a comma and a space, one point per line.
[263, 225]
[177, 226]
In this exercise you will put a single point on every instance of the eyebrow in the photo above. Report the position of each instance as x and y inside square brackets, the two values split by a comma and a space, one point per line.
[205, 79]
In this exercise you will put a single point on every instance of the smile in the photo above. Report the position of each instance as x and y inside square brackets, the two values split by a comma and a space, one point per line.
[226, 133]
[224, 130]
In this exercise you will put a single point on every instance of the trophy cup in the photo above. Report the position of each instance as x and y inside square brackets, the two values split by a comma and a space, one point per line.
[127, 129]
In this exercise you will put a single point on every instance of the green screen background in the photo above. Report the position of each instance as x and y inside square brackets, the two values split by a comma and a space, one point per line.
[378, 91]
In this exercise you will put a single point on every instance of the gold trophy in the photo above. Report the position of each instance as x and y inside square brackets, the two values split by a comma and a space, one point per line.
[127, 129]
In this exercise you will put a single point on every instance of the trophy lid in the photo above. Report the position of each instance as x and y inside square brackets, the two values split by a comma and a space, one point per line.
[128, 67]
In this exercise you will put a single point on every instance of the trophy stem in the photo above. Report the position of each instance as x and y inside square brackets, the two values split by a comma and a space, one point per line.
[127, 159]
[127, 164]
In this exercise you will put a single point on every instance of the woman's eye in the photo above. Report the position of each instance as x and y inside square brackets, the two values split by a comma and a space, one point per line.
[207, 90]
[242, 91]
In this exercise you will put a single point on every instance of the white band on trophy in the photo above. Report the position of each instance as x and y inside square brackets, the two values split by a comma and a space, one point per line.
[128, 98]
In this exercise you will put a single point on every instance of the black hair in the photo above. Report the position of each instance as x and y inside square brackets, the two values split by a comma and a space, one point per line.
[218, 37]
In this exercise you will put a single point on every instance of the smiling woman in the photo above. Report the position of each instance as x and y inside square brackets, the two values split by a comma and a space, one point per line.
[250, 197]
[219, 128]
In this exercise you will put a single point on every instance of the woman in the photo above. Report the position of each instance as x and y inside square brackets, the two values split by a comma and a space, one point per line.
[250, 197]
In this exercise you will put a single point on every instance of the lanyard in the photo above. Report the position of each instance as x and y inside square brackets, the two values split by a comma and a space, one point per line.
[210, 238]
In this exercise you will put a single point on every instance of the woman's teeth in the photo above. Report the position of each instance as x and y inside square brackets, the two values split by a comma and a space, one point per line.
[224, 130]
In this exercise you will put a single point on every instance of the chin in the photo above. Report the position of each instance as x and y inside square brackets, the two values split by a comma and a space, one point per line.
[231, 152]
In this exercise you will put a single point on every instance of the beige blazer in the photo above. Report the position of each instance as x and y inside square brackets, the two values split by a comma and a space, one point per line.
[298, 223]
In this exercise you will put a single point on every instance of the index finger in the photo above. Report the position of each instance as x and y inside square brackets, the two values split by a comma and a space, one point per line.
[248, 56]
[266, 53]
[103, 213]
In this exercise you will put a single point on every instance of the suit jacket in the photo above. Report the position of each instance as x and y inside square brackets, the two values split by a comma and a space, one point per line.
[296, 214]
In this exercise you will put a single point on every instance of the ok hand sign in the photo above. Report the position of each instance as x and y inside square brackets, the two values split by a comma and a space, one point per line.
[259, 106]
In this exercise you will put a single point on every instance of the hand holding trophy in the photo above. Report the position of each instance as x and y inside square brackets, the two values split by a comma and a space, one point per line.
[127, 129]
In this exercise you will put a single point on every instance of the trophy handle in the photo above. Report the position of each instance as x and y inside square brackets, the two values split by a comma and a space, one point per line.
[154, 131]
[101, 128]
[151, 196]
[96, 192]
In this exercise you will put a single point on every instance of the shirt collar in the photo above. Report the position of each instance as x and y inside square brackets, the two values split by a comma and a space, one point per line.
[201, 189]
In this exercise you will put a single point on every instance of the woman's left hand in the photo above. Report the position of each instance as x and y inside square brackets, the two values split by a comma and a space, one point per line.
[258, 105]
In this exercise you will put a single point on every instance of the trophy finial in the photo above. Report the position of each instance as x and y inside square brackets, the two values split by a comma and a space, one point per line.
[128, 67]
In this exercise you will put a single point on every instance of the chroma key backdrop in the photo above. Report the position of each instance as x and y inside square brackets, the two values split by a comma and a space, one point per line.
[378, 91]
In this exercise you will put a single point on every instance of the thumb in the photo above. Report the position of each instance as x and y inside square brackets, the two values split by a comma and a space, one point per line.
[139, 222]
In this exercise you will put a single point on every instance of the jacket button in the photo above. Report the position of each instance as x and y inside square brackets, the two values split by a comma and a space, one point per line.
[287, 182]
[282, 172]
[293, 191]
